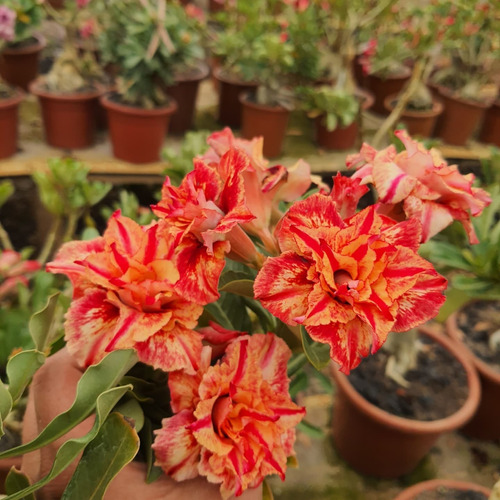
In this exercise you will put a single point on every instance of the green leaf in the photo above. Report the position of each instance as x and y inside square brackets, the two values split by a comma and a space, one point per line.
[311, 430]
[243, 287]
[94, 388]
[133, 411]
[298, 383]
[297, 361]
[5, 405]
[21, 368]
[17, 481]
[267, 493]
[317, 354]
[41, 324]
[115, 445]
[217, 314]
[153, 472]
[6, 191]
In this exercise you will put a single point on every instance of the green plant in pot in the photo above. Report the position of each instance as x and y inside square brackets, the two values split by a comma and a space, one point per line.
[467, 83]
[68, 94]
[333, 109]
[147, 43]
[19, 56]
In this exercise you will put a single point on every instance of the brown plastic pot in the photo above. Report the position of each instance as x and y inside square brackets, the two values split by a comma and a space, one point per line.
[19, 65]
[490, 129]
[341, 138]
[270, 122]
[184, 92]
[413, 492]
[9, 124]
[459, 119]
[485, 424]
[69, 120]
[137, 134]
[418, 123]
[230, 108]
[383, 87]
[377, 443]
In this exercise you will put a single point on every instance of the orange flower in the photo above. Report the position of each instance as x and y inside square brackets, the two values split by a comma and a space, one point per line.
[348, 282]
[422, 184]
[137, 287]
[235, 421]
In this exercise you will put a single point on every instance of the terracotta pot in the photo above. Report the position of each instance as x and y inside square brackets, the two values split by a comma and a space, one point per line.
[490, 129]
[137, 134]
[341, 138]
[412, 492]
[52, 392]
[69, 120]
[383, 87]
[5, 465]
[19, 65]
[485, 422]
[376, 443]
[230, 109]
[185, 92]
[9, 124]
[270, 122]
[418, 123]
[459, 119]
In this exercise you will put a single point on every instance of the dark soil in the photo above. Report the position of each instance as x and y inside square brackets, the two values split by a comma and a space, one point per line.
[438, 386]
[451, 494]
[479, 321]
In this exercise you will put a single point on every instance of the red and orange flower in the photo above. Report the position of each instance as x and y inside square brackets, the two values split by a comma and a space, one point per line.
[234, 422]
[348, 282]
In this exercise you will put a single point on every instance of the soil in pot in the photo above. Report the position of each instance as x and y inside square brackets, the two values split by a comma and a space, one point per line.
[472, 328]
[69, 120]
[230, 109]
[137, 134]
[19, 63]
[270, 122]
[459, 119]
[185, 92]
[445, 489]
[379, 443]
[9, 106]
[418, 122]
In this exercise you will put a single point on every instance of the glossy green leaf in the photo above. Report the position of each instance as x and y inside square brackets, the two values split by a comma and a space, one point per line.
[298, 383]
[311, 430]
[17, 481]
[131, 409]
[115, 445]
[153, 472]
[94, 388]
[243, 287]
[317, 354]
[5, 405]
[216, 313]
[20, 370]
[41, 324]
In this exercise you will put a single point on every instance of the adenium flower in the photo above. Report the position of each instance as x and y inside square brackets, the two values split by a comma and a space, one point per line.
[348, 282]
[421, 184]
[14, 270]
[7, 23]
[137, 287]
[264, 187]
[209, 205]
[234, 422]
[346, 193]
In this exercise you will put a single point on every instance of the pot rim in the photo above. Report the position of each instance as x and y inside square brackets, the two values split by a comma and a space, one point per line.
[456, 334]
[13, 100]
[168, 109]
[35, 88]
[217, 72]
[437, 108]
[412, 491]
[403, 75]
[243, 97]
[451, 422]
[40, 44]
[450, 94]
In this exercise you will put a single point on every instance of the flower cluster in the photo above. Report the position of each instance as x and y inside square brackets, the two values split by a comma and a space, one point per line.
[347, 278]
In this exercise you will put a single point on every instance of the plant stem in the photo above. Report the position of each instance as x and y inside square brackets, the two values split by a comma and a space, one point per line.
[408, 92]
[50, 240]
[4, 239]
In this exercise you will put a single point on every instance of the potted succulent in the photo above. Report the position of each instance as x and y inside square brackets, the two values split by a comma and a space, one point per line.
[164, 331]
[475, 324]
[465, 86]
[139, 110]
[10, 98]
[335, 112]
[19, 56]
[68, 94]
